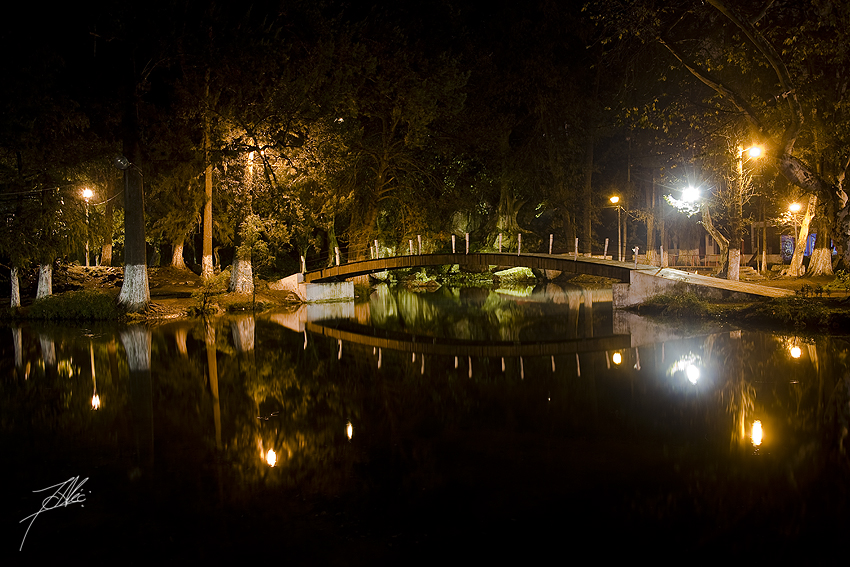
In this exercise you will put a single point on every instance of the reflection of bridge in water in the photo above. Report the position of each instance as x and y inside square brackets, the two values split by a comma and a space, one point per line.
[457, 347]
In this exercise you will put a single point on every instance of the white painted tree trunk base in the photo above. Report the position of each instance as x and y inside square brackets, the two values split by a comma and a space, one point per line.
[207, 270]
[45, 281]
[16, 287]
[820, 263]
[242, 278]
[734, 264]
[135, 294]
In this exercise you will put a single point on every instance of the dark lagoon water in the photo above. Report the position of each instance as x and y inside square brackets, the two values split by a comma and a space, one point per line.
[424, 427]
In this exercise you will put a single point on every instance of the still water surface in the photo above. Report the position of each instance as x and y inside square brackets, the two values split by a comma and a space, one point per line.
[420, 424]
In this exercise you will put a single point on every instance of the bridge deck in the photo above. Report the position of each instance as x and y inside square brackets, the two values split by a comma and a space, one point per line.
[717, 283]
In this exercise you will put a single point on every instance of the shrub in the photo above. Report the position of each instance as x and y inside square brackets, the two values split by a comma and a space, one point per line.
[83, 305]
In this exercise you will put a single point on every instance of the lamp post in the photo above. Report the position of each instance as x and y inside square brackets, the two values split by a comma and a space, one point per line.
[615, 200]
[87, 194]
[794, 209]
[736, 213]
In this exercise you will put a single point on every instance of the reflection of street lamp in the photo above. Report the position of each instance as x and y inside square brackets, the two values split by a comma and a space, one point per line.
[87, 194]
[615, 200]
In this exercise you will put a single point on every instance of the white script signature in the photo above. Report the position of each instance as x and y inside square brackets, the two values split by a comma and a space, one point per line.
[66, 493]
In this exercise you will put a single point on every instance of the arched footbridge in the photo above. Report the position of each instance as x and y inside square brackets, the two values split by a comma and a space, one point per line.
[638, 281]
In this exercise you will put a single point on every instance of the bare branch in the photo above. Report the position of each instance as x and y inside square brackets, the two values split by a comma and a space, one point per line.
[775, 60]
[733, 97]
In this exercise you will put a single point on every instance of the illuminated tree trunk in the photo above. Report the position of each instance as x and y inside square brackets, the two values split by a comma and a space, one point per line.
[106, 247]
[177, 256]
[242, 278]
[715, 234]
[16, 287]
[45, 281]
[207, 254]
[796, 268]
[820, 263]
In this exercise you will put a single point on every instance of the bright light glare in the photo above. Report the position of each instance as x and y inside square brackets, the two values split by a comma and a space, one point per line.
[95, 402]
[617, 358]
[690, 194]
[271, 457]
[615, 199]
[349, 430]
[795, 207]
[754, 152]
[87, 194]
[796, 352]
[689, 365]
[758, 434]
[692, 372]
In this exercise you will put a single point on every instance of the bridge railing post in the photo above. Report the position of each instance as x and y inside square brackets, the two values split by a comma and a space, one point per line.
[500, 243]
[519, 243]
[336, 251]
[551, 240]
[467, 243]
[453, 244]
[575, 254]
[605, 251]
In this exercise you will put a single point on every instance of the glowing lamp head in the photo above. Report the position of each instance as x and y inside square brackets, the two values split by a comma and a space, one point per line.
[795, 207]
[271, 457]
[754, 152]
[614, 199]
[87, 194]
[690, 194]
[95, 402]
[796, 351]
[349, 430]
[617, 358]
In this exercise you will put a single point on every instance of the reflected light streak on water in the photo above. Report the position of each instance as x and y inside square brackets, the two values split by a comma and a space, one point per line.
[757, 434]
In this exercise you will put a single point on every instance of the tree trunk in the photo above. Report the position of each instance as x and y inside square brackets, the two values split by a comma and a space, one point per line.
[177, 256]
[106, 247]
[16, 288]
[587, 195]
[506, 222]
[45, 281]
[207, 255]
[820, 263]
[135, 293]
[242, 278]
[718, 238]
[796, 268]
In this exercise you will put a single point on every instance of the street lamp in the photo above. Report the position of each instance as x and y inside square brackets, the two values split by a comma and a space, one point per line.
[615, 200]
[87, 194]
